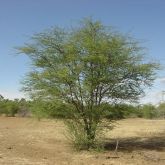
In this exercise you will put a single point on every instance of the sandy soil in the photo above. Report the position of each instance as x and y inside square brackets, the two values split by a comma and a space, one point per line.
[25, 141]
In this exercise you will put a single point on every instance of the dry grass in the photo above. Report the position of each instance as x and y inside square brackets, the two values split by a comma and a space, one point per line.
[26, 141]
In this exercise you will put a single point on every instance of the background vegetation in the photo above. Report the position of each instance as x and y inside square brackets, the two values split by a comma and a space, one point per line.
[47, 109]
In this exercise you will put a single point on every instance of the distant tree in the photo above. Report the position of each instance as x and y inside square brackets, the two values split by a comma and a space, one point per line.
[50, 109]
[9, 107]
[24, 108]
[120, 111]
[1, 104]
[13, 107]
[161, 110]
[86, 67]
[148, 111]
[1, 98]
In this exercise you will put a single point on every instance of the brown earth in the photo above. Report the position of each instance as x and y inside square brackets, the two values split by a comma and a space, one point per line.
[26, 141]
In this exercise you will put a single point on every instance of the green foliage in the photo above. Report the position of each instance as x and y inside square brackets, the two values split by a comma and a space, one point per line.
[2, 107]
[78, 135]
[8, 107]
[38, 109]
[86, 67]
[50, 109]
[161, 111]
[24, 108]
[148, 111]
[13, 107]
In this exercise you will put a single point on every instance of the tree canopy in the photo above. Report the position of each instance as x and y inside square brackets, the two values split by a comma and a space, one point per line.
[87, 66]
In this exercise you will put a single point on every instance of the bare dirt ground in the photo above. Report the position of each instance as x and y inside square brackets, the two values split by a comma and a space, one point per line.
[25, 141]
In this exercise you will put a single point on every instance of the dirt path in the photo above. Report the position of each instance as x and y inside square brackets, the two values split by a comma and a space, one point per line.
[25, 141]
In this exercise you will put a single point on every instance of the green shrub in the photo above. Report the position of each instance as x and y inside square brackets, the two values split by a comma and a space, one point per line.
[120, 111]
[148, 111]
[50, 109]
[13, 107]
[161, 111]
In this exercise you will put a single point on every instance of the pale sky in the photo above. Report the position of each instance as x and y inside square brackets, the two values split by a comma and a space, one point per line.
[20, 19]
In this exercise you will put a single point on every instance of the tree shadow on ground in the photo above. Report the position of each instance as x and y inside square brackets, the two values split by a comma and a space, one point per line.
[156, 142]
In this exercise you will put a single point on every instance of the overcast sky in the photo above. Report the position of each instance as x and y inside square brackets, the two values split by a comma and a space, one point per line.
[20, 19]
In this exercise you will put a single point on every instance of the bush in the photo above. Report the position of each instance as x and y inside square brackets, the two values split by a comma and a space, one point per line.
[120, 111]
[13, 107]
[78, 136]
[80, 139]
[50, 109]
[161, 111]
[148, 111]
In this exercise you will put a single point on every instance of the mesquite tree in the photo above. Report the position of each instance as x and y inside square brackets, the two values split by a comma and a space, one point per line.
[86, 67]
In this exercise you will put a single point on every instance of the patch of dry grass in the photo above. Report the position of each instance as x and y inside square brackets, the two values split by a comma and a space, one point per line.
[27, 141]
